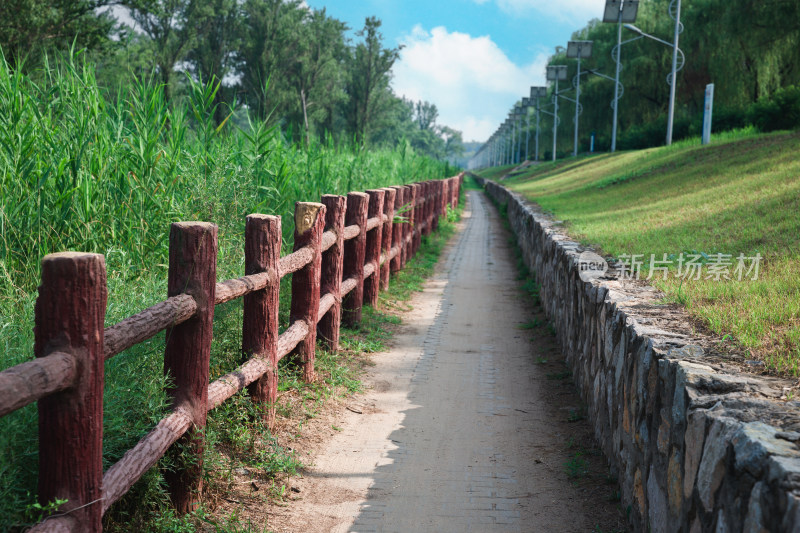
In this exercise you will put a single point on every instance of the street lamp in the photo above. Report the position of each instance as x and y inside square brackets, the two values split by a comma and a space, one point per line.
[537, 92]
[578, 50]
[618, 11]
[677, 54]
[508, 141]
[518, 111]
[556, 73]
[526, 103]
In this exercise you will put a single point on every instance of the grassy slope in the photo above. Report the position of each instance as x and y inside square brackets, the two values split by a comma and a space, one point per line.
[739, 195]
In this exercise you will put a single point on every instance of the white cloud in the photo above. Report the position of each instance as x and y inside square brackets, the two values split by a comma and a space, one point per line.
[574, 11]
[471, 81]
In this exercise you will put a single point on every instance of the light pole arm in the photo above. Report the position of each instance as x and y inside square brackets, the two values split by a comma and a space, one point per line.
[634, 29]
[600, 74]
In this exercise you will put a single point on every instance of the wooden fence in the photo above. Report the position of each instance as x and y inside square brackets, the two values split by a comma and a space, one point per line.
[344, 251]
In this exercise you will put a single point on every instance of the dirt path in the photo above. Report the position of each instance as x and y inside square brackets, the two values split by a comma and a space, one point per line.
[470, 422]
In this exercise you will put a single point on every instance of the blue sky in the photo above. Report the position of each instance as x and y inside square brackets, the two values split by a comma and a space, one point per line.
[472, 58]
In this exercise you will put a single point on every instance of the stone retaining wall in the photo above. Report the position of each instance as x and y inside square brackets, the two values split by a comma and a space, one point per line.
[698, 444]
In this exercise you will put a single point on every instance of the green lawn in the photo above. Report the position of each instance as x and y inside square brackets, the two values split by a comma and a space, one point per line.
[739, 195]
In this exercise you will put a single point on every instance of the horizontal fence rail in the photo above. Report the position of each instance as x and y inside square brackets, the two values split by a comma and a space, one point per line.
[344, 251]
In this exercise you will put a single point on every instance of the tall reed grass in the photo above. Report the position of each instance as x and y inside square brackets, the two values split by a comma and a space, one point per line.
[85, 169]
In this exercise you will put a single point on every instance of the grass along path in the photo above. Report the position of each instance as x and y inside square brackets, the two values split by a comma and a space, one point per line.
[85, 169]
[250, 470]
[740, 195]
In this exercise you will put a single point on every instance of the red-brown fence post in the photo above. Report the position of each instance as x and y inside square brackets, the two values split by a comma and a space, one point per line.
[372, 284]
[416, 239]
[386, 238]
[447, 185]
[436, 201]
[427, 205]
[332, 266]
[432, 188]
[455, 185]
[354, 253]
[398, 229]
[262, 253]
[70, 311]
[192, 270]
[408, 227]
[406, 224]
[309, 220]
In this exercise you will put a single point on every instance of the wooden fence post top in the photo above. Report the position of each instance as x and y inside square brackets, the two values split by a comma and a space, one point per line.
[195, 224]
[356, 203]
[263, 217]
[376, 199]
[305, 214]
[71, 255]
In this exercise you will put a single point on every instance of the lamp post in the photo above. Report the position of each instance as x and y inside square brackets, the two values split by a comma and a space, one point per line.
[518, 111]
[513, 124]
[537, 93]
[578, 50]
[618, 11]
[677, 57]
[526, 102]
[509, 141]
[556, 73]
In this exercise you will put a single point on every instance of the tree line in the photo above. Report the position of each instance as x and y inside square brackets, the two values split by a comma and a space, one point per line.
[750, 50]
[274, 60]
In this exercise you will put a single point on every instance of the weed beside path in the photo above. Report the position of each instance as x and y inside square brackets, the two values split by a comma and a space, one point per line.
[250, 471]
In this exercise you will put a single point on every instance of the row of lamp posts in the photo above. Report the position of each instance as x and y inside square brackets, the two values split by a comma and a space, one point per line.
[503, 147]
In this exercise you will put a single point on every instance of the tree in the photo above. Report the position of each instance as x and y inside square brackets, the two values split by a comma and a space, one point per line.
[453, 142]
[29, 28]
[170, 26]
[271, 40]
[426, 115]
[213, 56]
[316, 70]
[369, 96]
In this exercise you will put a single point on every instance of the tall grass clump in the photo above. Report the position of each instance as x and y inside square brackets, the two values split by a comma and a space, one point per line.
[84, 168]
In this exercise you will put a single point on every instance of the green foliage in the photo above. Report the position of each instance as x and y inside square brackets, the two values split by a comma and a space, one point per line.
[780, 112]
[278, 60]
[750, 50]
[31, 28]
[367, 86]
[83, 169]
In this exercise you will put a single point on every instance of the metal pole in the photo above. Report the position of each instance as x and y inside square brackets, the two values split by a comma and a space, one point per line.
[510, 150]
[509, 146]
[536, 157]
[616, 85]
[555, 120]
[514, 141]
[527, 132]
[674, 80]
[513, 147]
[577, 106]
